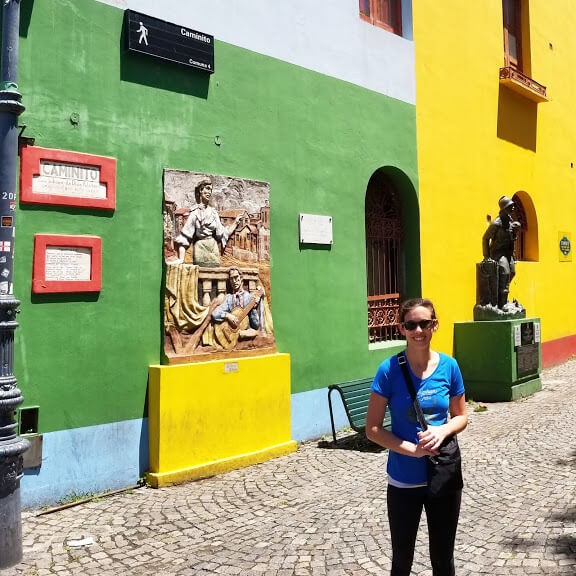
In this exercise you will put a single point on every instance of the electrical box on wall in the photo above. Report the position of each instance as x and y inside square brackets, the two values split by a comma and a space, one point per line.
[28, 428]
[28, 420]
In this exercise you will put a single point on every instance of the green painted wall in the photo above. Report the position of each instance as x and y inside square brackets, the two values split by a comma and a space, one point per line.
[317, 140]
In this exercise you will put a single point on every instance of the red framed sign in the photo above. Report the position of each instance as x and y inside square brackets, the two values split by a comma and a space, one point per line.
[66, 178]
[67, 263]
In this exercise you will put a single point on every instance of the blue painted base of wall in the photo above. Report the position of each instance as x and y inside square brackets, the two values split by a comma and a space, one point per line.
[87, 461]
[98, 459]
[311, 415]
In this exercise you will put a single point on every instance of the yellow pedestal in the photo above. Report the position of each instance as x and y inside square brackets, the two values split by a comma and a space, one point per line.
[212, 417]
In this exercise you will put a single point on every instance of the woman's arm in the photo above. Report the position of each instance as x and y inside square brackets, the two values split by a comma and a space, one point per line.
[458, 414]
[379, 435]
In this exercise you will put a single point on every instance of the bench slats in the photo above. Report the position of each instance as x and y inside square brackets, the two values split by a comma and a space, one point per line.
[355, 385]
[358, 401]
[355, 397]
[358, 398]
[356, 391]
[358, 412]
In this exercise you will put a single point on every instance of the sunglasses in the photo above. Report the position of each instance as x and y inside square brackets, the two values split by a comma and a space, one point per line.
[413, 324]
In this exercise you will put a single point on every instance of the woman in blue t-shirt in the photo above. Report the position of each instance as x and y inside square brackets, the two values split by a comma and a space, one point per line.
[438, 384]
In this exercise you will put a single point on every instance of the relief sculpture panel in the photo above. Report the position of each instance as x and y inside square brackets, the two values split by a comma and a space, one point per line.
[217, 297]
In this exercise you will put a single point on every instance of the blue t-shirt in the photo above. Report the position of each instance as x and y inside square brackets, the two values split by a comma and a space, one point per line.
[434, 393]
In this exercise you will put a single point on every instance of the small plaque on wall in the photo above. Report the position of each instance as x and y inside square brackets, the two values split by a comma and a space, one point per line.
[526, 333]
[564, 247]
[315, 229]
[67, 263]
[527, 360]
[67, 178]
[517, 336]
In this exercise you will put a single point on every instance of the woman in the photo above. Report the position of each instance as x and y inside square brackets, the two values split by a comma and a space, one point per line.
[203, 229]
[438, 384]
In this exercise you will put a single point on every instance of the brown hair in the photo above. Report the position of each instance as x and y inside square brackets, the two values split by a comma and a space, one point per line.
[200, 186]
[409, 305]
[237, 270]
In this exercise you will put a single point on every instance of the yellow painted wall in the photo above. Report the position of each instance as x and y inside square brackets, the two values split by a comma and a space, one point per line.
[205, 419]
[477, 142]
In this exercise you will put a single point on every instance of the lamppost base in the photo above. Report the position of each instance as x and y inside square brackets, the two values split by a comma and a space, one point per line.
[10, 512]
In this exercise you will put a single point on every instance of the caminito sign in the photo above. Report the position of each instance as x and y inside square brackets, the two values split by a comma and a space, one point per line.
[169, 41]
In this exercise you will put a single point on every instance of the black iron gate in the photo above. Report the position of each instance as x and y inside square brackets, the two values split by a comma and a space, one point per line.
[383, 254]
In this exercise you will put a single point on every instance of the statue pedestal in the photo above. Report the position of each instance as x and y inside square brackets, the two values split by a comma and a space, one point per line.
[500, 360]
[211, 417]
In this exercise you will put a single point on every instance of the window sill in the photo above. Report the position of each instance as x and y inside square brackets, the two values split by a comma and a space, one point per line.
[522, 84]
[387, 344]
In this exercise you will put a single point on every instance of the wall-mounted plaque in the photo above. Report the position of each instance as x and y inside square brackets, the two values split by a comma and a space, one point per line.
[564, 247]
[169, 41]
[66, 178]
[67, 263]
[527, 360]
[517, 336]
[315, 229]
[536, 331]
[526, 333]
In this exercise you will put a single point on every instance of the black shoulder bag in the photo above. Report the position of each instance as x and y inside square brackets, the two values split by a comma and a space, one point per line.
[445, 469]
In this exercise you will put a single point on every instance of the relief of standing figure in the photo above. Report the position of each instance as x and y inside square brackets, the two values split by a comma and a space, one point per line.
[204, 230]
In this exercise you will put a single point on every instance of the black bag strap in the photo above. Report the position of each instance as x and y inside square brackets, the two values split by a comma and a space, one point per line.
[403, 362]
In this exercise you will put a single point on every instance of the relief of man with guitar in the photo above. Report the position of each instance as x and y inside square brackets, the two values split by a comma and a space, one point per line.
[237, 317]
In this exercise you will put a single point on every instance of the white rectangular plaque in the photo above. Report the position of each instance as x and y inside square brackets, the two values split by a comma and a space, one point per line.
[517, 336]
[536, 331]
[315, 229]
[230, 367]
[68, 264]
[64, 179]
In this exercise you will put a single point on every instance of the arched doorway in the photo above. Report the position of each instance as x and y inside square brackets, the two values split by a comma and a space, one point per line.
[384, 250]
[526, 245]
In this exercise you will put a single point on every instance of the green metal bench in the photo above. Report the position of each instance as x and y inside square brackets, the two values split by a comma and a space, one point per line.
[355, 396]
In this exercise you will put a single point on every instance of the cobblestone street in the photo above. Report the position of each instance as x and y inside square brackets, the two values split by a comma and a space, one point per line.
[322, 510]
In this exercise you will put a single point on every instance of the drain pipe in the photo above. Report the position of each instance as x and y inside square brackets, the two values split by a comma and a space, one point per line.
[12, 447]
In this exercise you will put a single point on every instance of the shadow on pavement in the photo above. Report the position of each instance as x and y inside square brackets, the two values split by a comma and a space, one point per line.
[570, 461]
[561, 545]
[356, 442]
[566, 543]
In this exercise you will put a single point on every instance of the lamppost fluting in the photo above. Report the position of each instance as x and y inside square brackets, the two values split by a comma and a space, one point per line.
[12, 447]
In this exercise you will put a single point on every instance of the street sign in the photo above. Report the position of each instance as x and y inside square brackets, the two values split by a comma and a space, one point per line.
[168, 41]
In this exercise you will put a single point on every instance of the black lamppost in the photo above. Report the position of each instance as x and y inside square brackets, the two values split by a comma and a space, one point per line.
[12, 447]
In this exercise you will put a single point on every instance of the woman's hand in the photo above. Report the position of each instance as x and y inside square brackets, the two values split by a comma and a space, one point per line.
[430, 440]
[421, 452]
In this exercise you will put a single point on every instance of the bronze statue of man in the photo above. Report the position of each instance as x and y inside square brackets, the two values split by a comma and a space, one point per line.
[498, 246]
